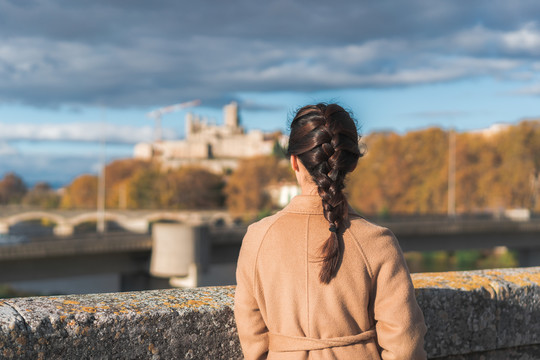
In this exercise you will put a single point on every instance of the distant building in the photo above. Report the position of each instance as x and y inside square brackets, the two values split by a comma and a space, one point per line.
[216, 147]
[282, 193]
[492, 130]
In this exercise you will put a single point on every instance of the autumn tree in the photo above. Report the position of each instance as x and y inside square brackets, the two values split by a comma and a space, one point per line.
[42, 195]
[143, 189]
[379, 177]
[519, 149]
[409, 173]
[426, 160]
[12, 189]
[246, 189]
[117, 176]
[184, 188]
[81, 193]
[498, 170]
[191, 188]
[401, 174]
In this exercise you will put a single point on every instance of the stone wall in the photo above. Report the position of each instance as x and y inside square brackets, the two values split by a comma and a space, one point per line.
[492, 314]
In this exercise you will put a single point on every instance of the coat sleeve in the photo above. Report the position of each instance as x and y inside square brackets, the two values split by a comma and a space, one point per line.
[399, 321]
[251, 327]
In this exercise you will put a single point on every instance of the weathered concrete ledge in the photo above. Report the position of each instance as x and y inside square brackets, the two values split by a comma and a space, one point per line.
[492, 314]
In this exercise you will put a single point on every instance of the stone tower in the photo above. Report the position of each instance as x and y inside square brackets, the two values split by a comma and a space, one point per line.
[190, 119]
[230, 115]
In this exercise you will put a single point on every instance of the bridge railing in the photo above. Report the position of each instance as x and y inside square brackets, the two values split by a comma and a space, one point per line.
[490, 314]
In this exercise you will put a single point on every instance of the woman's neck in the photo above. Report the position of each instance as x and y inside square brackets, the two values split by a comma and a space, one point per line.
[309, 188]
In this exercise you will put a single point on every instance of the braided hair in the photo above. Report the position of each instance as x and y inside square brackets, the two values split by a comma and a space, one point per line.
[325, 139]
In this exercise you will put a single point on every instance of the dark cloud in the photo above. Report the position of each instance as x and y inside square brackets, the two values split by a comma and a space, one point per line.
[141, 53]
[251, 105]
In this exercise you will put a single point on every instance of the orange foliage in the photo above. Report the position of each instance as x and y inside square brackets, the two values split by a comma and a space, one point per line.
[409, 173]
[184, 188]
[81, 193]
[246, 187]
[117, 177]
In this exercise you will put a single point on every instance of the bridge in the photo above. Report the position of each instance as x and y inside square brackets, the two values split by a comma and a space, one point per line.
[124, 253]
[130, 253]
[137, 221]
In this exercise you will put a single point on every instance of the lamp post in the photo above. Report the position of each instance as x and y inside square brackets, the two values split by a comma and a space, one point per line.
[101, 225]
[452, 173]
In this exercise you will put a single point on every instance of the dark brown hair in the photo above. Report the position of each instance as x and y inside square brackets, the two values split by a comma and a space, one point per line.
[325, 139]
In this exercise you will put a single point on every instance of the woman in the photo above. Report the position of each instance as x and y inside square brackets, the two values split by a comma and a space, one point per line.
[316, 280]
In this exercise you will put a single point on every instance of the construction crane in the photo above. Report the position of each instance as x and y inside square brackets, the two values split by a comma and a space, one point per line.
[156, 114]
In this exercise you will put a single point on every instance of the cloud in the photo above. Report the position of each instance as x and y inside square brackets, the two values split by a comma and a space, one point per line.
[525, 39]
[80, 132]
[251, 105]
[6, 149]
[58, 53]
[521, 41]
[528, 90]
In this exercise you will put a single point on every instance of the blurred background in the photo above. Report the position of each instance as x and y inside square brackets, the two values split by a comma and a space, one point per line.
[115, 116]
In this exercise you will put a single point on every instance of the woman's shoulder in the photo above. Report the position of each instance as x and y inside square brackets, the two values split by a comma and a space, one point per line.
[375, 241]
[368, 229]
[265, 223]
[256, 231]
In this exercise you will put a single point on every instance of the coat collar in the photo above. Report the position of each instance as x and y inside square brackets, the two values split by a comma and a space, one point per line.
[307, 204]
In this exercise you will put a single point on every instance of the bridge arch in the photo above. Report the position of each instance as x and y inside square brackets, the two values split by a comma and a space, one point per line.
[34, 215]
[121, 220]
[93, 216]
[180, 217]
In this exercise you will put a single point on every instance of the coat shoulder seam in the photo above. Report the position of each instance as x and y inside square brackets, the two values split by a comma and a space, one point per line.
[259, 250]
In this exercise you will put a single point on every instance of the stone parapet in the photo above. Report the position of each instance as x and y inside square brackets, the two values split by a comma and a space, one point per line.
[487, 314]
[164, 324]
[491, 314]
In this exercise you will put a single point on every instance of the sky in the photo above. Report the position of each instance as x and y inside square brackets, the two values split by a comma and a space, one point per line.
[77, 78]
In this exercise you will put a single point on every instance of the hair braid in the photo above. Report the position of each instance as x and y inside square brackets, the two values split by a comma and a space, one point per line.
[324, 137]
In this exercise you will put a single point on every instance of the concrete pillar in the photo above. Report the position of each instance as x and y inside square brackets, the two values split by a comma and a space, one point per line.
[191, 280]
[179, 250]
[63, 229]
[139, 226]
[4, 228]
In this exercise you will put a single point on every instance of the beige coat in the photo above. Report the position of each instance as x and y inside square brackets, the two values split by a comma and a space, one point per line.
[368, 311]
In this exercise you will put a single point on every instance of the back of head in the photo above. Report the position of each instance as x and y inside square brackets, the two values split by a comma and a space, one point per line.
[325, 139]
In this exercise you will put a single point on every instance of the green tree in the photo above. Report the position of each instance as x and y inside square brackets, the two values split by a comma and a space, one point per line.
[279, 151]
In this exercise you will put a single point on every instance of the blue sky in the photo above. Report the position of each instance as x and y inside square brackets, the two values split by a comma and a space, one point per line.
[73, 74]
